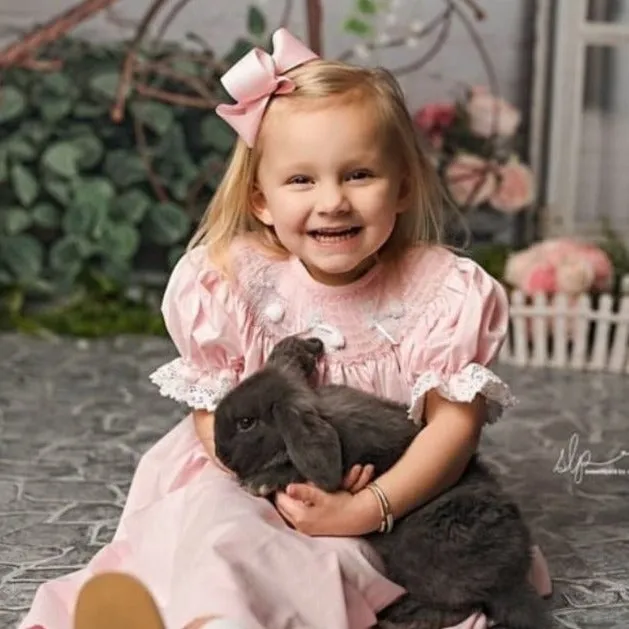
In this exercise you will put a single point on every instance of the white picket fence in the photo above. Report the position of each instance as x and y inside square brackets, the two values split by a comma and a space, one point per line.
[569, 333]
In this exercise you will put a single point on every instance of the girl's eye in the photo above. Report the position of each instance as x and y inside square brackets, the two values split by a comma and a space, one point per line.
[299, 180]
[246, 423]
[359, 174]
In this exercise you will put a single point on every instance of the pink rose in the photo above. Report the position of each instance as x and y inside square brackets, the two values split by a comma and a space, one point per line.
[435, 115]
[575, 275]
[466, 173]
[559, 265]
[515, 189]
[517, 267]
[557, 249]
[598, 259]
[572, 276]
[433, 119]
[541, 278]
[489, 114]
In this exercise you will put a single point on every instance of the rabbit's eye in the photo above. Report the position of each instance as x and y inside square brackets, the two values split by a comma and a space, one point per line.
[246, 423]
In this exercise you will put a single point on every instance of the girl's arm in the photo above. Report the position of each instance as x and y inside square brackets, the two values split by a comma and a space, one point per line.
[434, 461]
[204, 427]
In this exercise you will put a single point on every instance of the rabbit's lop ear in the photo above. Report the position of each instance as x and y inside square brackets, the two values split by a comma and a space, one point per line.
[313, 445]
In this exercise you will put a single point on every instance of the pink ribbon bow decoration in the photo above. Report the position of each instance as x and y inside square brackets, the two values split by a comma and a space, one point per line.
[252, 80]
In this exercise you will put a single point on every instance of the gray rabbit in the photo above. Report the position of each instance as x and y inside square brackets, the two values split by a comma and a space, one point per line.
[466, 550]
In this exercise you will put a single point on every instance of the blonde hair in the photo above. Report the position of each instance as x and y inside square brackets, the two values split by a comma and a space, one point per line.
[230, 212]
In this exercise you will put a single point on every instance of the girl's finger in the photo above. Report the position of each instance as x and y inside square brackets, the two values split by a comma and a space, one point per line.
[285, 507]
[366, 475]
[352, 477]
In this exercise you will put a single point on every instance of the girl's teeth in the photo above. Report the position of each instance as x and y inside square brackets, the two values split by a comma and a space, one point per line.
[334, 236]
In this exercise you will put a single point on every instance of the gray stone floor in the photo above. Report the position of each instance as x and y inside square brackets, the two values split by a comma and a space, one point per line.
[75, 418]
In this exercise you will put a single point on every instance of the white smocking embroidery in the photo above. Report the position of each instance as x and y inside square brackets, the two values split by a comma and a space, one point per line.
[385, 323]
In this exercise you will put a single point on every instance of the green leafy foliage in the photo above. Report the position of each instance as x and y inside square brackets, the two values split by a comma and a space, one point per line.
[12, 103]
[361, 19]
[80, 195]
[367, 6]
[492, 257]
[357, 26]
[256, 22]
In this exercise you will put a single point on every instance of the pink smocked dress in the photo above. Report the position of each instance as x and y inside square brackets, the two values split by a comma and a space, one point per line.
[202, 544]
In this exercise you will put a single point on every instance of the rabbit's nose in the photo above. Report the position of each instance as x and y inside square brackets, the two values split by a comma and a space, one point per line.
[330, 336]
[315, 345]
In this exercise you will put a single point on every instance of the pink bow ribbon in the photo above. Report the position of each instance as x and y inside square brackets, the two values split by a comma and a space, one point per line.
[252, 80]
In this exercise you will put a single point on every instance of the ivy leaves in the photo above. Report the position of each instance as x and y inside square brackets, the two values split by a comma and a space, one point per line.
[75, 190]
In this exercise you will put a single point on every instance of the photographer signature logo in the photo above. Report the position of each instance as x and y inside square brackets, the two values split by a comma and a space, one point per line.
[571, 462]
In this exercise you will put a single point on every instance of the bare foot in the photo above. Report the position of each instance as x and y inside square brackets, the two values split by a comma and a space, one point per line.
[113, 599]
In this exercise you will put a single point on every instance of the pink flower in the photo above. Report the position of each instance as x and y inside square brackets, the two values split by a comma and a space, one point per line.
[541, 278]
[559, 265]
[575, 276]
[433, 119]
[595, 256]
[517, 267]
[489, 114]
[435, 115]
[467, 173]
[515, 189]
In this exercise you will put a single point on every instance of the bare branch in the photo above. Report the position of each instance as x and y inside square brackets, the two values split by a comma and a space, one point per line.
[52, 30]
[40, 65]
[192, 82]
[314, 18]
[174, 99]
[432, 52]
[124, 84]
[117, 19]
[171, 17]
[197, 39]
[395, 42]
[479, 12]
[477, 40]
[142, 145]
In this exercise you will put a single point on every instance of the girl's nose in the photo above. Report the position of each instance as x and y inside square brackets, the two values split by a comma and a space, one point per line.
[332, 200]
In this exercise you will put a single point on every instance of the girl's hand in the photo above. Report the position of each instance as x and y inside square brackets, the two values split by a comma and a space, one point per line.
[358, 478]
[314, 512]
[204, 428]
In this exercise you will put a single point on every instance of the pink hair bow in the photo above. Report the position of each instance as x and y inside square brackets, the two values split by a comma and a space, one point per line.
[253, 79]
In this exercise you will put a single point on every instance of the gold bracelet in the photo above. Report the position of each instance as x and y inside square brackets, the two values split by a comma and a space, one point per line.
[381, 506]
[386, 523]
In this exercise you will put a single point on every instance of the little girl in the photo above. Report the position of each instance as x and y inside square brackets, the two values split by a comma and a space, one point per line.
[326, 223]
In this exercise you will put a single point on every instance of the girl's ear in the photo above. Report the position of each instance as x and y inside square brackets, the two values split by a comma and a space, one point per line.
[259, 207]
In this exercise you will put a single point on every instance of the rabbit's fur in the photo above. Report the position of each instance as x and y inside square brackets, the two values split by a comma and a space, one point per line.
[466, 550]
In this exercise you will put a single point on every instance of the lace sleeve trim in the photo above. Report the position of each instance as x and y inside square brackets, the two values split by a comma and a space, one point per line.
[200, 390]
[463, 387]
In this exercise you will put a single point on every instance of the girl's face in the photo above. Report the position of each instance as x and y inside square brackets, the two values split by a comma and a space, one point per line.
[328, 187]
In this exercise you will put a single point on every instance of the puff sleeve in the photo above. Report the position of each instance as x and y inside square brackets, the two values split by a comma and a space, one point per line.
[453, 347]
[201, 316]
